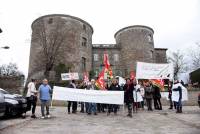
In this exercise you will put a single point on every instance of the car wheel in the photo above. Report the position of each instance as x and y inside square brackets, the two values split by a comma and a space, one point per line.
[10, 112]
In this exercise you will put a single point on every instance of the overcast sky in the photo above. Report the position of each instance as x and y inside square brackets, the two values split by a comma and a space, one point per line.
[176, 22]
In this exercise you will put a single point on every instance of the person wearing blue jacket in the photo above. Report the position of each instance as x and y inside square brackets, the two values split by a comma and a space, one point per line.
[45, 97]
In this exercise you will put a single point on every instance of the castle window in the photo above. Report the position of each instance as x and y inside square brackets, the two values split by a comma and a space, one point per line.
[151, 54]
[96, 57]
[84, 41]
[83, 63]
[96, 72]
[149, 38]
[84, 27]
[50, 21]
[116, 57]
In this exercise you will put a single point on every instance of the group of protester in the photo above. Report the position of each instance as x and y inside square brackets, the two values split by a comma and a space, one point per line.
[136, 95]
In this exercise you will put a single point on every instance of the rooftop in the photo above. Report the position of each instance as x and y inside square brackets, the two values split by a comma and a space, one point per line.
[132, 27]
[62, 15]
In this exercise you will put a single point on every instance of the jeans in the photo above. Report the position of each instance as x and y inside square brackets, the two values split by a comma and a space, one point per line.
[74, 106]
[149, 103]
[45, 103]
[130, 108]
[82, 106]
[157, 103]
[86, 107]
[179, 104]
[92, 108]
[112, 107]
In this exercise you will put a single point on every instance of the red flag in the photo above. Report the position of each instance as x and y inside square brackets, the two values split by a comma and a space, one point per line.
[100, 83]
[108, 69]
[159, 83]
[106, 61]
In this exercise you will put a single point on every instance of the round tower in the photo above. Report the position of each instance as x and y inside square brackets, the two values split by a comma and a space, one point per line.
[68, 39]
[136, 45]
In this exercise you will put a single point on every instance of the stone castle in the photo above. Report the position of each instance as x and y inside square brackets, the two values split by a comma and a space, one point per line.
[133, 43]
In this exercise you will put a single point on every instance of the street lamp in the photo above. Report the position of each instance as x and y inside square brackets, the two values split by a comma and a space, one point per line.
[5, 47]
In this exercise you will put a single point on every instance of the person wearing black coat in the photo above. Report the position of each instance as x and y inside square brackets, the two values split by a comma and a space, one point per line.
[113, 87]
[128, 92]
[156, 97]
[149, 95]
[73, 103]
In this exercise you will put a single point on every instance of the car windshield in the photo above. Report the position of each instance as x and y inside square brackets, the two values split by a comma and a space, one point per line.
[3, 91]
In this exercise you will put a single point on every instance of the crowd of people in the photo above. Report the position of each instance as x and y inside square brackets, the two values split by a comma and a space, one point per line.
[137, 95]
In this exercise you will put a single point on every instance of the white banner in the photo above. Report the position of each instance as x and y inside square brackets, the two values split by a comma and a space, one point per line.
[69, 76]
[175, 94]
[154, 71]
[82, 95]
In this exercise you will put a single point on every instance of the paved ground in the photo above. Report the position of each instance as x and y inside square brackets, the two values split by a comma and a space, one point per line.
[143, 122]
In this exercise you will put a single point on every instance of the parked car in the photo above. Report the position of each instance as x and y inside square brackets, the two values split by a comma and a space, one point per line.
[2, 105]
[199, 99]
[15, 104]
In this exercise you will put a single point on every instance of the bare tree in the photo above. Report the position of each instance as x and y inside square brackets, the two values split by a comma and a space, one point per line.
[178, 61]
[51, 38]
[9, 70]
[195, 56]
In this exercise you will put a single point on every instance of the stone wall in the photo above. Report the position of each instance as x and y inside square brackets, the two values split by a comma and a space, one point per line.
[12, 84]
[160, 55]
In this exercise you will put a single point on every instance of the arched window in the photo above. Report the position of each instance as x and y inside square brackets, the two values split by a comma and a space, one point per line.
[149, 38]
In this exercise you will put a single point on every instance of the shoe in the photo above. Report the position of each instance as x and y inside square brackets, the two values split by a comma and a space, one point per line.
[68, 112]
[180, 110]
[89, 113]
[42, 117]
[73, 112]
[129, 115]
[48, 116]
[95, 113]
[177, 110]
[23, 117]
[33, 116]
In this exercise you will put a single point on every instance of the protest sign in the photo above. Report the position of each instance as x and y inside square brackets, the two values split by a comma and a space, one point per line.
[154, 71]
[69, 76]
[81, 95]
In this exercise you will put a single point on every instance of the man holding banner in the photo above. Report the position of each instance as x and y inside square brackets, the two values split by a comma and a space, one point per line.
[113, 87]
[92, 107]
[73, 103]
[179, 94]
